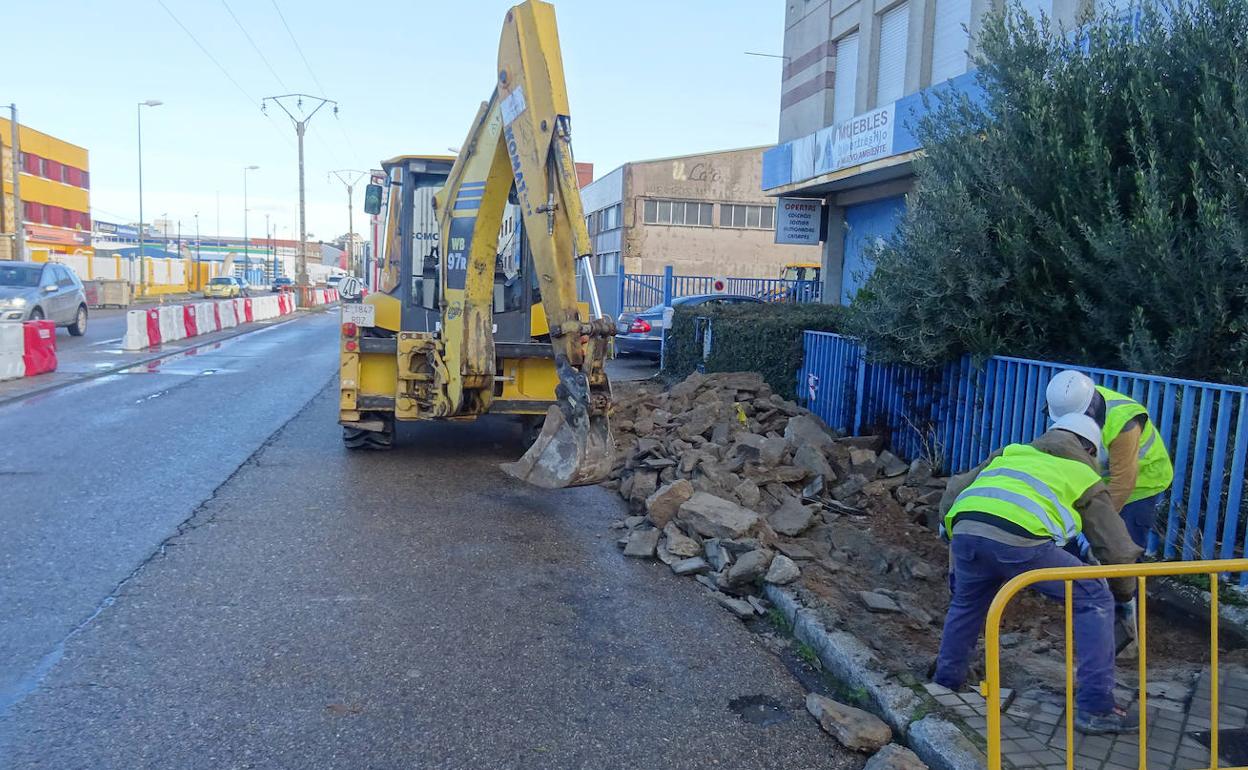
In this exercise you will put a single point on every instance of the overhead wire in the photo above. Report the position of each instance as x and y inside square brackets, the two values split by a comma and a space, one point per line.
[254, 47]
[315, 79]
[221, 67]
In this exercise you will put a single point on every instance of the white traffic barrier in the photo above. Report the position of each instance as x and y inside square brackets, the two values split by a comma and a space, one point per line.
[203, 317]
[136, 331]
[240, 317]
[12, 346]
[270, 307]
[168, 332]
[179, 322]
[228, 319]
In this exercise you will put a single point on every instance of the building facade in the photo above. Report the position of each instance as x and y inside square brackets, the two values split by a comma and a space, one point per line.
[56, 198]
[703, 214]
[855, 79]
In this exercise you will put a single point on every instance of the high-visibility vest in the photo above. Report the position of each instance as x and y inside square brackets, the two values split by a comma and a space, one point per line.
[1032, 489]
[1156, 471]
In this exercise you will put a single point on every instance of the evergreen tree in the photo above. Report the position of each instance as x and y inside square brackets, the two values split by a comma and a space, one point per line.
[1093, 207]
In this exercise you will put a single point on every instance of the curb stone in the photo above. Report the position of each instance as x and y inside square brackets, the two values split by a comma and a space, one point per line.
[937, 741]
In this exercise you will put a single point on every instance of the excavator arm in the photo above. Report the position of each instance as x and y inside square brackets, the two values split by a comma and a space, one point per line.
[521, 139]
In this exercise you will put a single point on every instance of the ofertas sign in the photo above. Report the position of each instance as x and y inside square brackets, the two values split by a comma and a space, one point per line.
[799, 221]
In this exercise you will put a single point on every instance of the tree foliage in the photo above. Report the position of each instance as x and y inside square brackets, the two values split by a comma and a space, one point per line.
[1093, 207]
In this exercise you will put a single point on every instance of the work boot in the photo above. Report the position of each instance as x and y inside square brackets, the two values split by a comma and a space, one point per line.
[1116, 722]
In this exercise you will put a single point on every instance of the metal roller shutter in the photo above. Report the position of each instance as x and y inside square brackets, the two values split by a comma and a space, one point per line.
[844, 90]
[950, 39]
[890, 80]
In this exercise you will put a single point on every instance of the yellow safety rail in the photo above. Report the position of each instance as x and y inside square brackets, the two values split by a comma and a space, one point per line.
[1066, 575]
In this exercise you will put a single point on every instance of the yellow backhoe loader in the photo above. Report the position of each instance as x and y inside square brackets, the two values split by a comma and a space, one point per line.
[462, 327]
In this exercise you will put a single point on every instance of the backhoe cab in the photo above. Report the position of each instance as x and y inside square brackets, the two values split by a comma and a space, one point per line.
[477, 310]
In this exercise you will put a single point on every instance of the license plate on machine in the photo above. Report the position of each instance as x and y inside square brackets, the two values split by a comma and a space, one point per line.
[360, 315]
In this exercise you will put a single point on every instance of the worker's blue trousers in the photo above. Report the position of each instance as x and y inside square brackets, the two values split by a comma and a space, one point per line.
[1140, 518]
[980, 567]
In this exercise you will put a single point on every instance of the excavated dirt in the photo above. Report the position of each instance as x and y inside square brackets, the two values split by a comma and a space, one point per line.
[871, 561]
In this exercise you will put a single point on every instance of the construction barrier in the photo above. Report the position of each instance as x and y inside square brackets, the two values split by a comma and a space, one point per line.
[168, 323]
[39, 353]
[1067, 575]
[12, 347]
[190, 320]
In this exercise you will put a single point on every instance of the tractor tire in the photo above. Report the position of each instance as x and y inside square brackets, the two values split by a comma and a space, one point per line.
[376, 440]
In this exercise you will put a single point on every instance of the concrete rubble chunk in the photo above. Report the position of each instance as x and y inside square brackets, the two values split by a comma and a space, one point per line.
[891, 465]
[748, 493]
[642, 543]
[711, 516]
[864, 462]
[874, 443]
[694, 566]
[813, 460]
[716, 555]
[895, 757]
[680, 544]
[852, 727]
[661, 506]
[792, 518]
[707, 581]
[771, 452]
[850, 487]
[782, 571]
[749, 567]
[807, 430]
[796, 551]
[739, 607]
[644, 485]
[877, 602]
[664, 555]
[633, 522]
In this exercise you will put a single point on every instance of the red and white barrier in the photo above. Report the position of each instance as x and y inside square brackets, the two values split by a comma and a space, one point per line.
[167, 323]
[27, 349]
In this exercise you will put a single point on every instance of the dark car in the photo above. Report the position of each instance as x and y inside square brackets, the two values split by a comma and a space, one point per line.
[283, 283]
[641, 334]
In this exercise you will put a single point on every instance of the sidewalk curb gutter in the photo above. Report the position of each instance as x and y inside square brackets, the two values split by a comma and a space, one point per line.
[937, 741]
[88, 376]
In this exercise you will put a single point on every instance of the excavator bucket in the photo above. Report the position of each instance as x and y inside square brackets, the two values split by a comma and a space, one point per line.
[569, 452]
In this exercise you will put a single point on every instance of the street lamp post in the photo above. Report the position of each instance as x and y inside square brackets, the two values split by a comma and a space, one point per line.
[246, 241]
[139, 114]
[199, 284]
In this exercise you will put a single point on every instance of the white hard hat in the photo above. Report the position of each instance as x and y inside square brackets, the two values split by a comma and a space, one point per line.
[1069, 392]
[1081, 425]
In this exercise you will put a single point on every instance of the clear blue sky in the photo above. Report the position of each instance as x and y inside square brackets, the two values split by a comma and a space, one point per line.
[646, 78]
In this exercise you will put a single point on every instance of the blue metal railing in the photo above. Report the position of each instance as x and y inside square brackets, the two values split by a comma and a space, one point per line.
[640, 291]
[958, 414]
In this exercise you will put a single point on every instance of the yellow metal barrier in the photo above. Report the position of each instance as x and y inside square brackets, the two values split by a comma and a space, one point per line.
[1066, 575]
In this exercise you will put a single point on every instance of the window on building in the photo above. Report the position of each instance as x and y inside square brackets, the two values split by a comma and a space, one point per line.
[54, 215]
[890, 79]
[746, 216]
[32, 212]
[32, 164]
[605, 264]
[86, 180]
[687, 213]
[52, 170]
[950, 39]
[845, 87]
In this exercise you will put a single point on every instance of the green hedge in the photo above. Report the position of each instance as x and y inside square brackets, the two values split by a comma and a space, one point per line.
[761, 338]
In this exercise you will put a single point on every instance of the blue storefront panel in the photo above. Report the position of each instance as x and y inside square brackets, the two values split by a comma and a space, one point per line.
[865, 224]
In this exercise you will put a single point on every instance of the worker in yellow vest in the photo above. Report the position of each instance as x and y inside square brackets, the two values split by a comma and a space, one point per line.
[1014, 513]
[1139, 469]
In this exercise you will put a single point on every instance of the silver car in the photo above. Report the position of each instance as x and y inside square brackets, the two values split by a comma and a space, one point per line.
[30, 291]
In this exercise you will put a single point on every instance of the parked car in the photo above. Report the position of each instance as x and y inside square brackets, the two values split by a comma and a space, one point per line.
[30, 291]
[282, 283]
[642, 333]
[226, 287]
[333, 281]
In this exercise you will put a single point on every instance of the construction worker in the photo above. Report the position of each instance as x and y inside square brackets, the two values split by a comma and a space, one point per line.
[1139, 469]
[1013, 514]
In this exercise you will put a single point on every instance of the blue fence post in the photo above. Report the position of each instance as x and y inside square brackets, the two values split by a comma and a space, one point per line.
[619, 285]
[667, 286]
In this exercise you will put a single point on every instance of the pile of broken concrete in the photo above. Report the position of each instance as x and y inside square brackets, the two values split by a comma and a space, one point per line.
[725, 480]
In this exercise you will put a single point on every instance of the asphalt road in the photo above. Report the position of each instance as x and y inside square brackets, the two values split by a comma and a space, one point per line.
[319, 608]
[96, 475]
